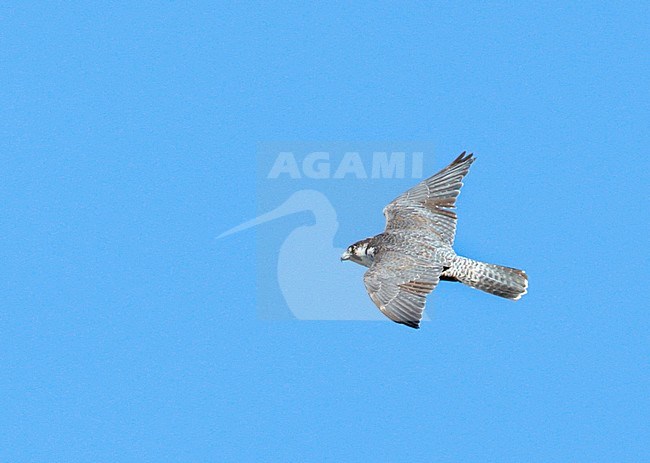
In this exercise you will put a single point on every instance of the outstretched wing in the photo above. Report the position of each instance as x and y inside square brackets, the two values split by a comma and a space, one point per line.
[399, 284]
[431, 203]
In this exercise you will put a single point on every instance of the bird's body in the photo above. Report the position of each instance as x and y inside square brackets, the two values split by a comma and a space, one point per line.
[407, 260]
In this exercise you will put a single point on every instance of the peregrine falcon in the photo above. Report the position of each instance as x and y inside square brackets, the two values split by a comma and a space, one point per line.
[406, 261]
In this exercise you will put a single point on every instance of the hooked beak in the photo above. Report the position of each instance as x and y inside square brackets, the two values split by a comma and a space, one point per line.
[345, 256]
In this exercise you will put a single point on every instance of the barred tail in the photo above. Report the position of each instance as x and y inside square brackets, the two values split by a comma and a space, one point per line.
[507, 282]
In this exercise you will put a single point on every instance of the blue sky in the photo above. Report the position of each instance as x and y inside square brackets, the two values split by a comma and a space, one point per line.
[130, 138]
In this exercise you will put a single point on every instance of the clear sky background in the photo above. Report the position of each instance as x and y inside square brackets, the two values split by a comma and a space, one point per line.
[128, 141]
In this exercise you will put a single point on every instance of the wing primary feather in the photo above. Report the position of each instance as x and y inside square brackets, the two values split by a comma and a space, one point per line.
[430, 204]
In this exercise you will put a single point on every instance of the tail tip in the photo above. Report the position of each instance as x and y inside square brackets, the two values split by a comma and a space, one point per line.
[518, 296]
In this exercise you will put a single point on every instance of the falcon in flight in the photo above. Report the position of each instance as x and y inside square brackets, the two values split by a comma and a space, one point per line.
[406, 261]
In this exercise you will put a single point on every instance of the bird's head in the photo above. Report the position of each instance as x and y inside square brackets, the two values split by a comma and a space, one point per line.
[360, 252]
